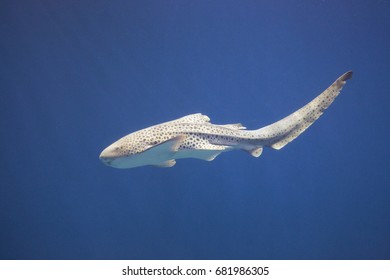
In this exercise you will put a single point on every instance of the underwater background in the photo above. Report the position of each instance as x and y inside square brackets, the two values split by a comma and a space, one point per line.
[78, 75]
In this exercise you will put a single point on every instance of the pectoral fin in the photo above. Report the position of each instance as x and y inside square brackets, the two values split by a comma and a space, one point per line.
[162, 154]
[168, 146]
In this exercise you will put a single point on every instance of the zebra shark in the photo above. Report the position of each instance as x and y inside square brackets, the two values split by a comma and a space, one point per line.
[193, 136]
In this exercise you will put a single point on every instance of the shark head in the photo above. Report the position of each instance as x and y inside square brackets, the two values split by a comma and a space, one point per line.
[116, 154]
[135, 150]
[125, 152]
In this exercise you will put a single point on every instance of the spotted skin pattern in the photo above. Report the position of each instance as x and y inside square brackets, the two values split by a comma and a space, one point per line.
[193, 136]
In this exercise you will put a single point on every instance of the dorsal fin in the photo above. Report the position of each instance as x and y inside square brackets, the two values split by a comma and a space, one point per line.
[233, 126]
[193, 118]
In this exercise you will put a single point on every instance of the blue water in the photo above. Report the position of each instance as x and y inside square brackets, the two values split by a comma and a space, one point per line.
[77, 75]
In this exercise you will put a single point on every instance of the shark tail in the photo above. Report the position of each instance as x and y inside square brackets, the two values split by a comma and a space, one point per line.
[280, 133]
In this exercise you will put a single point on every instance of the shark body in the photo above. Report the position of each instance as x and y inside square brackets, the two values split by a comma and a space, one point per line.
[193, 136]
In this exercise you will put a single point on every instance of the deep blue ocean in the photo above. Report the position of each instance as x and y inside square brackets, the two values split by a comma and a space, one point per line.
[77, 75]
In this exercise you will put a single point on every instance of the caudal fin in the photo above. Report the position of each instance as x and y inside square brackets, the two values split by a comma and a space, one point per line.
[282, 132]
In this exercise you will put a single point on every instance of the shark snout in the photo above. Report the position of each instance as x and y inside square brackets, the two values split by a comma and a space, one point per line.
[105, 159]
[109, 154]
